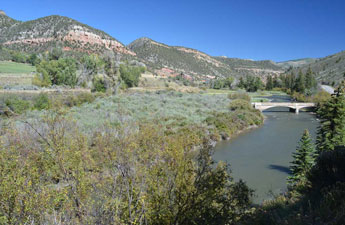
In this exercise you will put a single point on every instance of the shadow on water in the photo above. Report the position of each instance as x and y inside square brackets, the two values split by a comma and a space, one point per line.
[283, 169]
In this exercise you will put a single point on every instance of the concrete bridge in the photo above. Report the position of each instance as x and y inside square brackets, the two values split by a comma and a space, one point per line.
[293, 106]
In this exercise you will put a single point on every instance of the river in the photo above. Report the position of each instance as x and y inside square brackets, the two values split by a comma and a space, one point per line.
[261, 157]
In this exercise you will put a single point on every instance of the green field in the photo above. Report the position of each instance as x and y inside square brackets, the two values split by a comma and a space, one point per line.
[12, 67]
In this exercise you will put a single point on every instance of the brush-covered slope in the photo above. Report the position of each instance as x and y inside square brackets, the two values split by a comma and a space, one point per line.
[245, 67]
[178, 59]
[56, 31]
[328, 69]
[174, 59]
[296, 63]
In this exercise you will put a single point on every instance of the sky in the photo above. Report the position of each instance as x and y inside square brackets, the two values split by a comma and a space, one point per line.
[278, 30]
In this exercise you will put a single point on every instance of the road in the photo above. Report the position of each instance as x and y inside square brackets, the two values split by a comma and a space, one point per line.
[327, 88]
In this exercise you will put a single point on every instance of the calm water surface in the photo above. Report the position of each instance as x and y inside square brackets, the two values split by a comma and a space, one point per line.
[261, 156]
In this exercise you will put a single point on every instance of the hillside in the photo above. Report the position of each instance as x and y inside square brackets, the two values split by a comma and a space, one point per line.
[171, 60]
[328, 69]
[56, 31]
[296, 63]
[245, 67]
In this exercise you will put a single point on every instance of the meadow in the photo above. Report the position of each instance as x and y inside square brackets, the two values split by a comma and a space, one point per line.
[15, 68]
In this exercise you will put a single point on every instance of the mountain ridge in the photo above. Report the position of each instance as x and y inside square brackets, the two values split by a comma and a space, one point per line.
[43, 33]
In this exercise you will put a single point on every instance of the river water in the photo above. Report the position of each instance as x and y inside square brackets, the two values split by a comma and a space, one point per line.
[261, 157]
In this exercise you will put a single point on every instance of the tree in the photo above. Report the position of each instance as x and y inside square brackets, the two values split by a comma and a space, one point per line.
[269, 83]
[276, 82]
[59, 72]
[241, 83]
[300, 83]
[228, 82]
[130, 74]
[310, 82]
[33, 59]
[304, 159]
[331, 132]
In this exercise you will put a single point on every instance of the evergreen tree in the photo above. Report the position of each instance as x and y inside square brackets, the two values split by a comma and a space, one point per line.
[276, 82]
[331, 132]
[304, 159]
[269, 83]
[310, 82]
[300, 83]
[241, 83]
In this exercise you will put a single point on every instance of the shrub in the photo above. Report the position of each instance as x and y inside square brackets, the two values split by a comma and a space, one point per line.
[240, 104]
[59, 72]
[99, 85]
[85, 98]
[42, 101]
[130, 75]
[299, 96]
[17, 105]
[239, 95]
[321, 97]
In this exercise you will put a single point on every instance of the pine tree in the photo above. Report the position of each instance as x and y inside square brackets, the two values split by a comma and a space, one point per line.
[304, 159]
[331, 132]
[310, 82]
[269, 83]
[300, 83]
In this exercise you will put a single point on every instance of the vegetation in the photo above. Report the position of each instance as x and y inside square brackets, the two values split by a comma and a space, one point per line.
[12, 104]
[304, 159]
[195, 63]
[328, 70]
[13, 67]
[106, 173]
[130, 75]
[251, 83]
[222, 83]
[58, 72]
[332, 115]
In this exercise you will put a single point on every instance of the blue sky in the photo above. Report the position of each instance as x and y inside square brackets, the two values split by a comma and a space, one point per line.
[251, 29]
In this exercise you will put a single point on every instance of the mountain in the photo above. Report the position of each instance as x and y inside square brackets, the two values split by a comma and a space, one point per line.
[296, 63]
[328, 69]
[165, 60]
[56, 31]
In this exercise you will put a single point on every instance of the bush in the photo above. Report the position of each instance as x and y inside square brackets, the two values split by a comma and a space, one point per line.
[85, 98]
[240, 104]
[299, 97]
[239, 95]
[321, 97]
[99, 85]
[130, 75]
[42, 102]
[77, 100]
[58, 72]
[17, 105]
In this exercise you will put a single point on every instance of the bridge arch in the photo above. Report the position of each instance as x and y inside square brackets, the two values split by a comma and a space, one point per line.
[268, 108]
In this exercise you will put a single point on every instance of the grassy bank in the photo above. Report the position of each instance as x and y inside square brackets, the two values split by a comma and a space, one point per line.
[15, 68]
